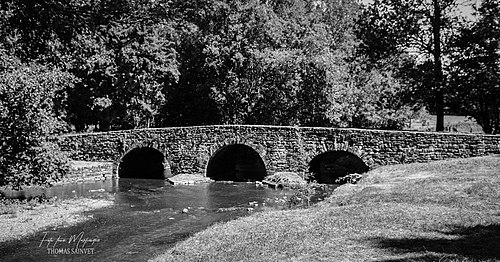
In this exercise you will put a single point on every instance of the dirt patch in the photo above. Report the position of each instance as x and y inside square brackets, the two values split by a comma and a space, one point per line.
[21, 220]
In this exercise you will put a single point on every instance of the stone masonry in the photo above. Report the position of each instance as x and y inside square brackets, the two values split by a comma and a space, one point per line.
[188, 149]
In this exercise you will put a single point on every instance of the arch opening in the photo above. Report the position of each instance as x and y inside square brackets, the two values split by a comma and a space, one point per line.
[144, 163]
[329, 166]
[239, 163]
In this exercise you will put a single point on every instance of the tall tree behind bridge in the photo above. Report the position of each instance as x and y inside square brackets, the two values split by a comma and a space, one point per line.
[422, 28]
[278, 62]
[188, 62]
[121, 51]
[476, 68]
[258, 62]
[125, 59]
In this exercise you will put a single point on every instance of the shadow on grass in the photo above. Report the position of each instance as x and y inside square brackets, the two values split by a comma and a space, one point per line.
[480, 243]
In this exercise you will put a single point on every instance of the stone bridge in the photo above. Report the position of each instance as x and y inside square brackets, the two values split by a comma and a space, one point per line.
[238, 152]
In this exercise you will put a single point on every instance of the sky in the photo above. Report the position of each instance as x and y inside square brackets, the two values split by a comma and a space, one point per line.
[465, 8]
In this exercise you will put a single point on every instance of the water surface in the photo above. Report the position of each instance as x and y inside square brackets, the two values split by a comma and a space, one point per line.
[147, 217]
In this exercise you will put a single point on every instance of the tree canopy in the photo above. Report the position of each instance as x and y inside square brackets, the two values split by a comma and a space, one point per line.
[476, 68]
[169, 63]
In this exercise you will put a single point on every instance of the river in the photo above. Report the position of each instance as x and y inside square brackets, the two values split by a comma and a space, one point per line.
[146, 218]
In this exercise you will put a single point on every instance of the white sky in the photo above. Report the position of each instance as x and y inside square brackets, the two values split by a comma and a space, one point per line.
[466, 9]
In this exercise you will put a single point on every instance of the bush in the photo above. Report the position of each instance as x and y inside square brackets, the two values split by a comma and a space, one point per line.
[302, 195]
[349, 179]
[285, 179]
[28, 120]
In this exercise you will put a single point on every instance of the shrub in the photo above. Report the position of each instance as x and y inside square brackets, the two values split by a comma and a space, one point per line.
[28, 120]
[349, 179]
[302, 195]
[285, 179]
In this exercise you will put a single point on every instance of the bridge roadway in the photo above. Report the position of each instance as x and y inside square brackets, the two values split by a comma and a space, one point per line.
[254, 151]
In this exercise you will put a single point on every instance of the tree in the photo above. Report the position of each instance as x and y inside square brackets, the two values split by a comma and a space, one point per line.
[420, 27]
[276, 62]
[267, 62]
[32, 107]
[476, 68]
[123, 76]
[28, 122]
[42, 29]
[124, 66]
[369, 97]
[155, 63]
[122, 51]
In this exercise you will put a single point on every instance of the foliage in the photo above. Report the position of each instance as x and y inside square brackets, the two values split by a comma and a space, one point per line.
[124, 68]
[303, 188]
[296, 62]
[370, 98]
[302, 195]
[349, 179]
[161, 63]
[285, 179]
[422, 28]
[27, 121]
[131, 64]
[103, 65]
[385, 27]
[476, 68]
[252, 58]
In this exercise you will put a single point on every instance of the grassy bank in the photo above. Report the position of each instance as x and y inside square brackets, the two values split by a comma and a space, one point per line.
[439, 211]
[19, 219]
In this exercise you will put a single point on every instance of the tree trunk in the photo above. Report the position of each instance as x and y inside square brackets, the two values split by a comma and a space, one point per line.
[438, 69]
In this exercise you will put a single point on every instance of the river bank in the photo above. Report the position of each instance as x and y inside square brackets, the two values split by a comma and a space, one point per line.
[438, 211]
[20, 219]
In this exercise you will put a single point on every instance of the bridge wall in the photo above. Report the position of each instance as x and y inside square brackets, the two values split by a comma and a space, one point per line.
[188, 149]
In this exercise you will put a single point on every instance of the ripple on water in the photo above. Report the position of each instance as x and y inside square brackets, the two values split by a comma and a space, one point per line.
[146, 218]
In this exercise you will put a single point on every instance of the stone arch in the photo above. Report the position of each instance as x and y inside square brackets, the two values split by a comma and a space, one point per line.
[143, 162]
[328, 166]
[236, 162]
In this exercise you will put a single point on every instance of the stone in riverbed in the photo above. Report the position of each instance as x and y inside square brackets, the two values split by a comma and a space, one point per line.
[187, 179]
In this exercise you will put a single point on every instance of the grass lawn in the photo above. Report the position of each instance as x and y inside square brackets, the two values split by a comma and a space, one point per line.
[439, 211]
[452, 123]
